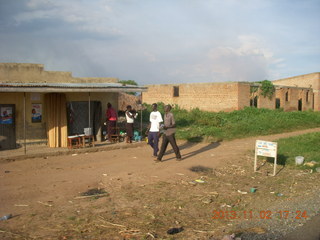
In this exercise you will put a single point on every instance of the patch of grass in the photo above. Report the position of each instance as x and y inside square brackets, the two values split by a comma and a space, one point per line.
[197, 125]
[306, 145]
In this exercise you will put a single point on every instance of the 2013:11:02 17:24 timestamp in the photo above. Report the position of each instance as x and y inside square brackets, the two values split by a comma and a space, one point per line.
[264, 214]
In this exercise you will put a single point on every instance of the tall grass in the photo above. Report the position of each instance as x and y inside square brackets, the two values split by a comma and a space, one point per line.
[197, 124]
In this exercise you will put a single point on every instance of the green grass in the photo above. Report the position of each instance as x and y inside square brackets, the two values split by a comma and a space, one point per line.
[196, 125]
[306, 145]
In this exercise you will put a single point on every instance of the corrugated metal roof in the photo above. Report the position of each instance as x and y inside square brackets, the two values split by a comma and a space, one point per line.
[68, 87]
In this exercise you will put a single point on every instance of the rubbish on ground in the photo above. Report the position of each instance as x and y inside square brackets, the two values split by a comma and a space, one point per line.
[192, 182]
[229, 237]
[299, 160]
[6, 217]
[105, 174]
[242, 192]
[253, 190]
[172, 231]
[279, 194]
[21, 205]
[46, 204]
[180, 174]
[199, 181]
[225, 205]
[311, 164]
[318, 169]
[74, 154]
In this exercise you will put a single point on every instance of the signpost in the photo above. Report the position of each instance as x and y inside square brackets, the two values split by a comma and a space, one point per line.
[266, 149]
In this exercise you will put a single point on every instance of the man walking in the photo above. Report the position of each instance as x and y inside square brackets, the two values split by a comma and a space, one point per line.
[154, 128]
[169, 134]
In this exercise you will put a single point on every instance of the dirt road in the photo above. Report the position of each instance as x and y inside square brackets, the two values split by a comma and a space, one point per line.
[29, 186]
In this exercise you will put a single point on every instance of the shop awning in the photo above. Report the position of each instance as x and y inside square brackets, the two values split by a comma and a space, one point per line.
[69, 87]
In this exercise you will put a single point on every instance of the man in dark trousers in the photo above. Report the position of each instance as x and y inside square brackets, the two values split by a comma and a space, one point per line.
[169, 134]
[153, 131]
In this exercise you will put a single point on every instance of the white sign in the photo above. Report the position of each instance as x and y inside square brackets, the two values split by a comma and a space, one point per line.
[266, 149]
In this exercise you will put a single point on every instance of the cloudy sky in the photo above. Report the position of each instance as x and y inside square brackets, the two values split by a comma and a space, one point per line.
[164, 41]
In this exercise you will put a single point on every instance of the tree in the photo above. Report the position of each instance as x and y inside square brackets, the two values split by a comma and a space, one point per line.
[129, 82]
[267, 89]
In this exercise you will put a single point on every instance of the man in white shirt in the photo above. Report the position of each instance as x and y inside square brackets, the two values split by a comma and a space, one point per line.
[154, 129]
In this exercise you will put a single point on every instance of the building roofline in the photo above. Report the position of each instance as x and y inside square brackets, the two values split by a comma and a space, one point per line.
[69, 87]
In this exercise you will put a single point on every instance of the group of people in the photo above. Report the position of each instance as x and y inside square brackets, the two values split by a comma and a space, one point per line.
[111, 117]
[166, 126]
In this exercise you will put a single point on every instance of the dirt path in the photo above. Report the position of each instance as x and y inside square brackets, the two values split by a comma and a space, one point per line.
[60, 177]
[30, 184]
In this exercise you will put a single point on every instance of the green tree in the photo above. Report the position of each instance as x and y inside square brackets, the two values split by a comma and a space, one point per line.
[129, 82]
[267, 89]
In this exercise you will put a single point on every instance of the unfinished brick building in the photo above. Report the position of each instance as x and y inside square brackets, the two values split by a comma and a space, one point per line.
[291, 94]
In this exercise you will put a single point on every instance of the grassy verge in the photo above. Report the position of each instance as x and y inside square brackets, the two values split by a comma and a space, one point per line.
[306, 145]
[196, 125]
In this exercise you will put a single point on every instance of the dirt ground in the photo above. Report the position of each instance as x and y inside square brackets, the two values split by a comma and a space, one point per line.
[142, 199]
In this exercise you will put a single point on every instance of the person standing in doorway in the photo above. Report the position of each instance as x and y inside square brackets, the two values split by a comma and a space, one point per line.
[111, 117]
[154, 129]
[130, 116]
[169, 134]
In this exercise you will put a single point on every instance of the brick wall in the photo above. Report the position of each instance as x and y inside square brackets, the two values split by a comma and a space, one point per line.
[266, 102]
[311, 80]
[205, 96]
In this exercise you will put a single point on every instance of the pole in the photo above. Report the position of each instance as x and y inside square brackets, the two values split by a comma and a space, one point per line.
[24, 123]
[89, 118]
[141, 122]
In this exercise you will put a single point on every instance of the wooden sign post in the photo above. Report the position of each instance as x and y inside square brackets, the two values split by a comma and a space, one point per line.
[266, 149]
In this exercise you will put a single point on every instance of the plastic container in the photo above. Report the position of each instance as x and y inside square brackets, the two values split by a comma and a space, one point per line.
[299, 160]
[87, 131]
[253, 190]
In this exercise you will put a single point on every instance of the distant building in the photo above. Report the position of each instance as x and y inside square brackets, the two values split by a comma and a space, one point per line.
[38, 106]
[292, 94]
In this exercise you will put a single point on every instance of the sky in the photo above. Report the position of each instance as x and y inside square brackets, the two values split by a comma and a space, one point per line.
[164, 41]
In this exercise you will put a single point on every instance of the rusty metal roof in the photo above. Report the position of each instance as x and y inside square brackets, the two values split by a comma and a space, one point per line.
[69, 87]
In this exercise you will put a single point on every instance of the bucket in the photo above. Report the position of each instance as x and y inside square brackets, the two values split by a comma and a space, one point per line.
[299, 160]
[87, 131]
